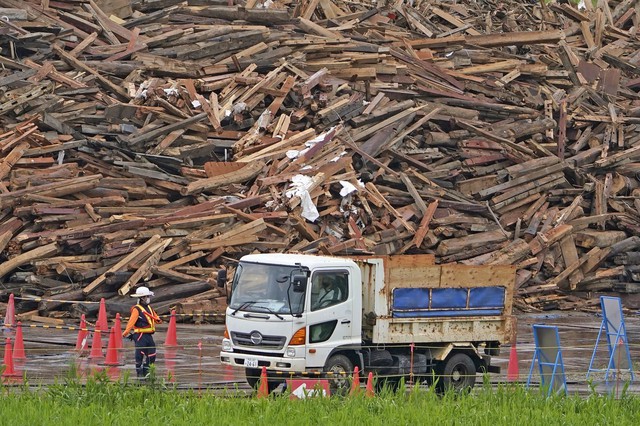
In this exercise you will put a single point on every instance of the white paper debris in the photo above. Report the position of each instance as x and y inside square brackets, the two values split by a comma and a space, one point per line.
[265, 119]
[300, 185]
[239, 108]
[196, 103]
[318, 138]
[347, 188]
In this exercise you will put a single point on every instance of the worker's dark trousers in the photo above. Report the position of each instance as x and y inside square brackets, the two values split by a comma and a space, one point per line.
[145, 353]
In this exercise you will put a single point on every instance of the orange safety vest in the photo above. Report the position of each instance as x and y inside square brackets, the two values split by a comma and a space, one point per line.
[146, 322]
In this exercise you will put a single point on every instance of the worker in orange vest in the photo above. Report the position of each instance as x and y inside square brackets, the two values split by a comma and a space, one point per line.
[140, 329]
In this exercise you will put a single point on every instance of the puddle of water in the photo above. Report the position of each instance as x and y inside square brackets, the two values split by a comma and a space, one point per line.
[51, 354]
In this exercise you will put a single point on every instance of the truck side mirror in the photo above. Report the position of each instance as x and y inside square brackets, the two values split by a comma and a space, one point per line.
[299, 282]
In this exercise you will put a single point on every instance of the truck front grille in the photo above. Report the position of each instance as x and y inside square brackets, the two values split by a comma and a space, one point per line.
[268, 342]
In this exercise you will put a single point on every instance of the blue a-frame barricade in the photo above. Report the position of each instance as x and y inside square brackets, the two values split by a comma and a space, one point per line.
[614, 328]
[548, 357]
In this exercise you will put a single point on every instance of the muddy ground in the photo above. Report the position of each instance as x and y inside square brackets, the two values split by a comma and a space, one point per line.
[195, 364]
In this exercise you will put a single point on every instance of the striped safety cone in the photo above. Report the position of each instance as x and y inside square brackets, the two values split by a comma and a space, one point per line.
[263, 389]
[83, 333]
[370, 393]
[96, 346]
[355, 384]
[18, 348]
[172, 338]
[9, 370]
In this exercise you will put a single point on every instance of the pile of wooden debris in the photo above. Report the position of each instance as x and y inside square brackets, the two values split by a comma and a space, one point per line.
[156, 143]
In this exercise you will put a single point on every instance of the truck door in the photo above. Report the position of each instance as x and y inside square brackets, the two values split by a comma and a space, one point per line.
[330, 315]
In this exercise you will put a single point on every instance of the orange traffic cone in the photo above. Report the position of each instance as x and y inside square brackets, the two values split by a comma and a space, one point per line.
[513, 373]
[118, 327]
[112, 351]
[102, 324]
[370, 393]
[96, 346]
[355, 384]
[18, 348]
[10, 316]
[9, 371]
[81, 341]
[172, 339]
[263, 389]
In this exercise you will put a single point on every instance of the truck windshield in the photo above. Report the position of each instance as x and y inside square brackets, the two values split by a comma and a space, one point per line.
[267, 287]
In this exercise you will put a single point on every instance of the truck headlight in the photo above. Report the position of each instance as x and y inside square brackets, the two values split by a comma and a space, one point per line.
[226, 345]
[291, 352]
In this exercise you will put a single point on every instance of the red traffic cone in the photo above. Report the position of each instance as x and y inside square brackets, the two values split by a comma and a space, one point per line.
[96, 346]
[81, 341]
[355, 384]
[263, 389]
[10, 316]
[172, 339]
[102, 324]
[118, 327]
[112, 351]
[9, 371]
[513, 373]
[370, 393]
[18, 348]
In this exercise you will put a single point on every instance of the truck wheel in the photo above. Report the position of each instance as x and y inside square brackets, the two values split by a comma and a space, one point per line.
[340, 368]
[458, 373]
[253, 376]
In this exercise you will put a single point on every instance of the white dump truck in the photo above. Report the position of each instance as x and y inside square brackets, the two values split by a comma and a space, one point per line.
[398, 316]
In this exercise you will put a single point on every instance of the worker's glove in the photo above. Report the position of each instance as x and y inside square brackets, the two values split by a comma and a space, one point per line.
[130, 336]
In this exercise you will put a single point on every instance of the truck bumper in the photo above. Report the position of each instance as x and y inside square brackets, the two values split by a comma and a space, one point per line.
[272, 363]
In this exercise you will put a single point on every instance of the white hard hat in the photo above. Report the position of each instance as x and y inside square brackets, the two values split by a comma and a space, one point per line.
[142, 292]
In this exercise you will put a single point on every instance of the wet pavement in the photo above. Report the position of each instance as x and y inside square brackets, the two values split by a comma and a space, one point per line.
[51, 354]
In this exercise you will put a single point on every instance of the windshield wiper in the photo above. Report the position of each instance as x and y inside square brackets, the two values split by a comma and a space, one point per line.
[271, 311]
[244, 305]
[251, 302]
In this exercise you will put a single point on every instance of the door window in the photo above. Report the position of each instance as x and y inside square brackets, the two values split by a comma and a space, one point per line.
[321, 332]
[328, 289]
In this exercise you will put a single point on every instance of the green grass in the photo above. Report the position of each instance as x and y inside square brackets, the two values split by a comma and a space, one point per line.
[99, 402]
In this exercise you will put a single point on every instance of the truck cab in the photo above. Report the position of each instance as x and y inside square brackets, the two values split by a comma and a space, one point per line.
[291, 312]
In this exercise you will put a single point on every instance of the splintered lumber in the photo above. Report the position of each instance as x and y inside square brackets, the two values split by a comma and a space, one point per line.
[456, 245]
[570, 269]
[121, 264]
[29, 256]
[146, 266]
[244, 174]
[241, 234]
[424, 223]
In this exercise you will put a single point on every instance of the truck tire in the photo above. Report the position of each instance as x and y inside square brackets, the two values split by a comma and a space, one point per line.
[253, 376]
[457, 373]
[339, 369]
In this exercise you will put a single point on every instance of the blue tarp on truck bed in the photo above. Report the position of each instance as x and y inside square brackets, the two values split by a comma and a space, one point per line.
[447, 302]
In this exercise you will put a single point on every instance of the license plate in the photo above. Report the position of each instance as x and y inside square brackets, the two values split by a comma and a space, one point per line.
[251, 363]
